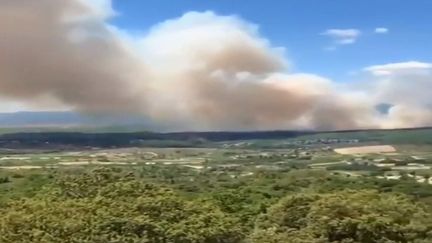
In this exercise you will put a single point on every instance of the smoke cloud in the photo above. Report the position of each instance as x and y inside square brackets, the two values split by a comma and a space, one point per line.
[407, 88]
[199, 71]
[62, 50]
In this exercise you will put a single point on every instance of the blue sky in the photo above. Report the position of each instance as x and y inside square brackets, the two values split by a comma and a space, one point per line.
[298, 25]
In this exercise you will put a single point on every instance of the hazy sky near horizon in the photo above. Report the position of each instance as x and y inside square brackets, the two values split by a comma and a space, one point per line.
[222, 64]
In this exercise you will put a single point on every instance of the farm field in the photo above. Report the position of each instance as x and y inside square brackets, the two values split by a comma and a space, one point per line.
[344, 152]
[239, 184]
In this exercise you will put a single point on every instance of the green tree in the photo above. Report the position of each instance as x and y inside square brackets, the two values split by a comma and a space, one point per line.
[348, 216]
[105, 206]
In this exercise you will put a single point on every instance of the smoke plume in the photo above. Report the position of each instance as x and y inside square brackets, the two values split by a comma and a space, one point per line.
[63, 50]
[199, 71]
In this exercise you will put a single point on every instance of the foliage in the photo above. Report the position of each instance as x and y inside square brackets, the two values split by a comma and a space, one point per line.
[103, 207]
[164, 204]
[4, 180]
[347, 216]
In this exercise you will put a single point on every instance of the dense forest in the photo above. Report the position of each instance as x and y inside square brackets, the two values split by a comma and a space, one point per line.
[164, 205]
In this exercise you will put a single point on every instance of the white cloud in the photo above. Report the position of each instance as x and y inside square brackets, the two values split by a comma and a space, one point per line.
[381, 30]
[399, 68]
[343, 36]
[330, 48]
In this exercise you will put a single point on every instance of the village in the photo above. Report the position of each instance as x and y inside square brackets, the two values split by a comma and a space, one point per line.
[348, 157]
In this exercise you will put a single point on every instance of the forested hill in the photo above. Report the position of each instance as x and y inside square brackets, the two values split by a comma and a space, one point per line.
[128, 139]
[185, 139]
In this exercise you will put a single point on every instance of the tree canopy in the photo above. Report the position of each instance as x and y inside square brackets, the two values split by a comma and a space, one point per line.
[349, 216]
[110, 205]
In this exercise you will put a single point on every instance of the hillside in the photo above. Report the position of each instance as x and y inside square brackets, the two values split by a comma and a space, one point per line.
[193, 139]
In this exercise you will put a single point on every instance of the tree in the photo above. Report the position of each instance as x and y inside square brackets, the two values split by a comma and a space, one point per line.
[104, 206]
[4, 180]
[348, 216]
[427, 177]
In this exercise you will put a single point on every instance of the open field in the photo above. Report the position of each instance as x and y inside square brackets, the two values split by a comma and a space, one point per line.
[352, 152]
[366, 149]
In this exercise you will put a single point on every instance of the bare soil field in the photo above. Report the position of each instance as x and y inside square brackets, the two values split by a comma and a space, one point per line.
[366, 149]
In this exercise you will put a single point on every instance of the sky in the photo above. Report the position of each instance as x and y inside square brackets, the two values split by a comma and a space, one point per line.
[298, 25]
[222, 64]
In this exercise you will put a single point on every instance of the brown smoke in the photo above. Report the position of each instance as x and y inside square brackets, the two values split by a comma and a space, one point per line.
[40, 56]
[200, 71]
[231, 79]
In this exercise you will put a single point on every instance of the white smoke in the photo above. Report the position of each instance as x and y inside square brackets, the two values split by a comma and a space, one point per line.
[407, 87]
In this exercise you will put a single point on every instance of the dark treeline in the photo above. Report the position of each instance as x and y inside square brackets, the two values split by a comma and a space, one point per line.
[183, 139]
[201, 139]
